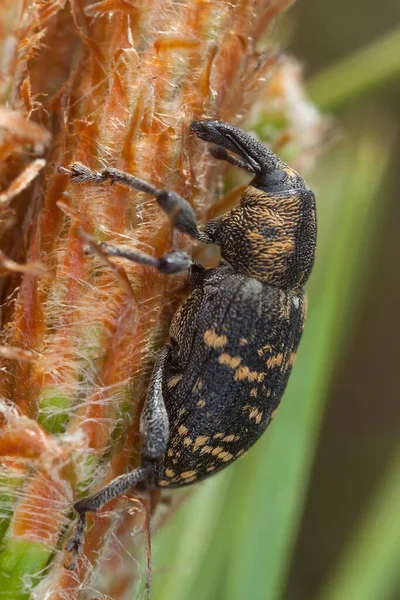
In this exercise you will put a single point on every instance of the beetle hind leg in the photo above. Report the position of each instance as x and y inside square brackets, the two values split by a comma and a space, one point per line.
[154, 426]
[118, 486]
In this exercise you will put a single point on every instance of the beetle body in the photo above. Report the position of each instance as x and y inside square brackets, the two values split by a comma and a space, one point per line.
[226, 373]
[216, 385]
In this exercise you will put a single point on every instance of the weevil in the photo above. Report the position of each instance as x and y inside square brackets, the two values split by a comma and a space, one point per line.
[216, 385]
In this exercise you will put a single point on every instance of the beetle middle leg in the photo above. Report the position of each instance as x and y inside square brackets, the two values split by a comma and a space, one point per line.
[168, 263]
[154, 427]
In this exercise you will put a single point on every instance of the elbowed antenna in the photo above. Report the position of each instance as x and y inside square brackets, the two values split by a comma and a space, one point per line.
[257, 158]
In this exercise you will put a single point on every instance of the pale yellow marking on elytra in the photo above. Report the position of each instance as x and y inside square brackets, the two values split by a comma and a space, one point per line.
[182, 430]
[173, 381]
[265, 349]
[170, 452]
[243, 341]
[188, 474]
[256, 414]
[198, 385]
[190, 479]
[163, 482]
[253, 392]
[212, 339]
[275, 361]
[218, 435]
[225, 456]
[200, 441]
[245, 373]
[253, 413]
[169, 473]
[206, 450]
[187, 441]
[229, 438]
[230, 361]
[292, 358]
[217, 450]
[201, 403]
[211, 468]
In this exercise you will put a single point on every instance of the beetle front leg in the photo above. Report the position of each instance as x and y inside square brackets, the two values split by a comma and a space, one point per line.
[154, 427]
[177, 208]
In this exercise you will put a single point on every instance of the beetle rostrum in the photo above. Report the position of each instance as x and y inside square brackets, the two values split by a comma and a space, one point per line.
[217, 384]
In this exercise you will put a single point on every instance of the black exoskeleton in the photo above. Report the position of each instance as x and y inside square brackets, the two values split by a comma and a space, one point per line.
[216, 386]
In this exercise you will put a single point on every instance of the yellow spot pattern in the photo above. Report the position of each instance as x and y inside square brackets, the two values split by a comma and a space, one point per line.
[188, 474]
[256, 415]
[198, 385]
[212, 339]
[267, 348]
[173, 381]
[245, 373]
[275, 361]
[200, 441]
[230, 361]
[225, 456]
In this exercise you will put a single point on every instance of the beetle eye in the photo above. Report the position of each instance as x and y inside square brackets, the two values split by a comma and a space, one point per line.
[267, 180]
[276, 181]
[277, 176]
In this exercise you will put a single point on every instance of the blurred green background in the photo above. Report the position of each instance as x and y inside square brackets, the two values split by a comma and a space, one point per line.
[313, 511]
